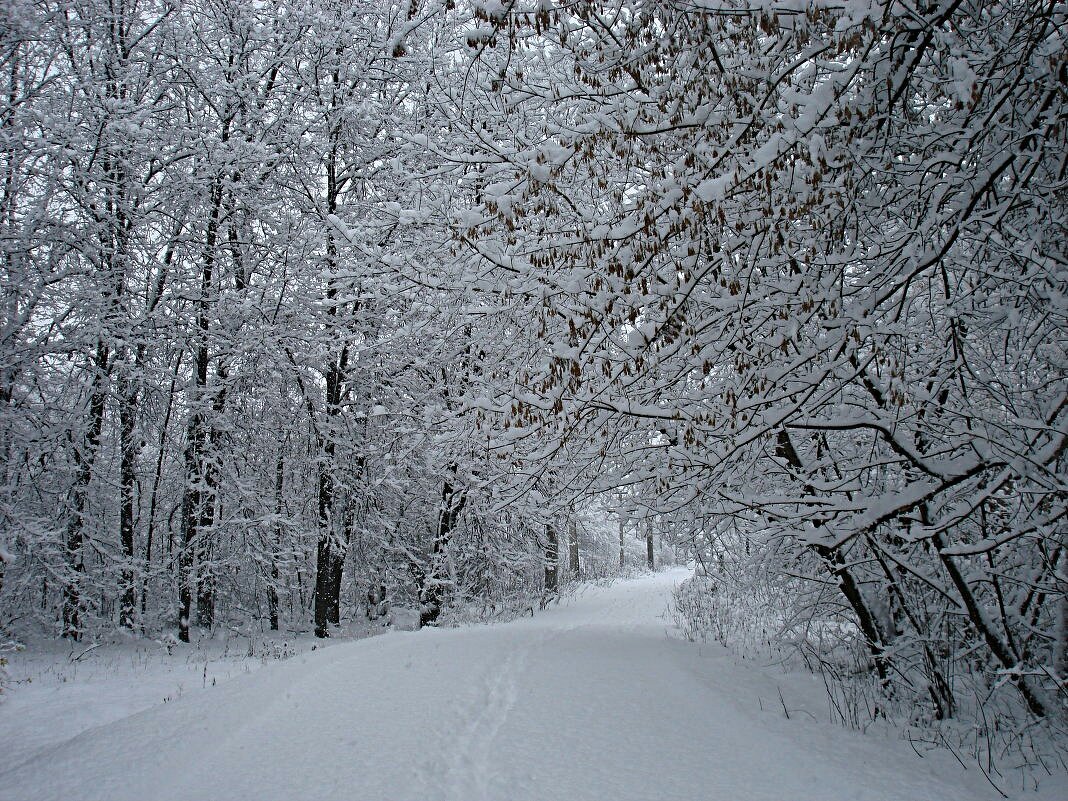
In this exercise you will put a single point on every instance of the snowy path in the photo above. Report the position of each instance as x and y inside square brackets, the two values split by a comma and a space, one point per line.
[594, 699]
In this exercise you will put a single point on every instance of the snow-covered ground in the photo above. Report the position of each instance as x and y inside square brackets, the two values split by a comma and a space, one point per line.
[597, 698]
[56, 690]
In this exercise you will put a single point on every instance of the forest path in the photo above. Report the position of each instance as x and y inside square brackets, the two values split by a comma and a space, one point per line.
[594, 698]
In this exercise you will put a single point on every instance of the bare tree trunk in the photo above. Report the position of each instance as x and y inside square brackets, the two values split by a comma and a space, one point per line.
[552, 564]
[205, 577]
[156, 479]
[272, 582]
[324, 552]
[1002, 651]
[328, 561]
[128, 448]
[622, 556]
[573, 548]
[84, 457]
[337, 567]
[1060, 643]
[196, 500]
[205, 569]
[649, 544]
[431, 591]
[191, 501]
[324, 557]
[832, 558]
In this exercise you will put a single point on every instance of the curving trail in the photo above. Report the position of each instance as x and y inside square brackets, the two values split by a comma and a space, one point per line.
[596, 698]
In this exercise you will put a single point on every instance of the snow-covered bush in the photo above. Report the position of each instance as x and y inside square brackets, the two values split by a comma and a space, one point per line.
[756, 612]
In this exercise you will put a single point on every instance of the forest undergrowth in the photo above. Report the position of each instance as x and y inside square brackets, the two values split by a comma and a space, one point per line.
[770, 621]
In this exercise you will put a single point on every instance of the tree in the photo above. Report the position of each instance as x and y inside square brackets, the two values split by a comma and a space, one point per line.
[806, 293]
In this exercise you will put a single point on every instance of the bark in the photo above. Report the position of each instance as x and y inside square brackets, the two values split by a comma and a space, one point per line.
[196, 501]
[206, 580]
[324, 601]
[1060, 642]
[329, 560]
[938, 687]
[337, 567]
[272, 598]
[1002, 651]
[432, 584]
[156, 479]
[573, 548]
[327, 568]
[552, 562]
[649, 545]
[868, 622]
[129, 448]
[84, 458]
[836, 565]
[191, 501]
[272, 583]
[205, 576]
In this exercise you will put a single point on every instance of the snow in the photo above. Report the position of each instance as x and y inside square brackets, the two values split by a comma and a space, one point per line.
[714, 189]
[55, 690]
[595, 698]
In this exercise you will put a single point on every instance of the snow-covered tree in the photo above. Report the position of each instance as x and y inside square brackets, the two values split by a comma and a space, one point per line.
[798, 265]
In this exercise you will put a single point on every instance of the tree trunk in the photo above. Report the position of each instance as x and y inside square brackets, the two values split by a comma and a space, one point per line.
[866, 619]
[205, 569]
[84, 457]
[205, 581]
[552, 563]
[128, 448]
[649, 545]
[1002, 651]
[156, 479]
[622, 557]
[272, 581]
[431, 591]
[832, 558]
[328, 562]
[197, 505]
[192, 499]
[327, 601]
[323, 582]
[337, 567]
[1060, 642]
[573, 549]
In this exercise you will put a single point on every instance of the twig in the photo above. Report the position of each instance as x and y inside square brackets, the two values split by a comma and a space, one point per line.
[93, 647]
[908, 736]
[986, 775]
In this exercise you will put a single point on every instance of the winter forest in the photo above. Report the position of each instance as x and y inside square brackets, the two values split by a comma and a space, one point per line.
[317, 313]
